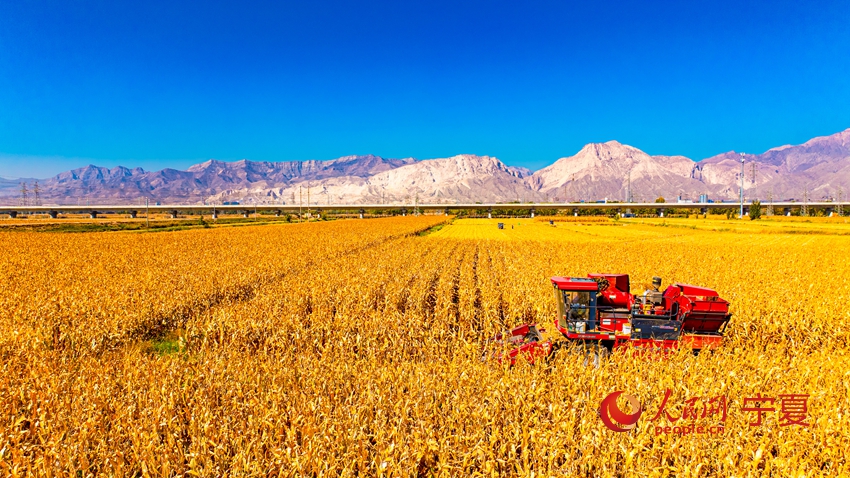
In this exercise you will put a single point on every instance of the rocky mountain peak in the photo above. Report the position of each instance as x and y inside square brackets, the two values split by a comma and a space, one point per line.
[608, 169]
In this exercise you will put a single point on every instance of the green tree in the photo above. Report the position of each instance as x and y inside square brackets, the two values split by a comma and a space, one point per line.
[755, 210]
[660, 199]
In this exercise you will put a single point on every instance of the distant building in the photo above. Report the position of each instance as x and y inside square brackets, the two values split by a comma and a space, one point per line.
[703, 198]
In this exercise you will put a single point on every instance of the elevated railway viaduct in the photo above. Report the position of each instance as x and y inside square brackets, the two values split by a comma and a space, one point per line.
[213, 210]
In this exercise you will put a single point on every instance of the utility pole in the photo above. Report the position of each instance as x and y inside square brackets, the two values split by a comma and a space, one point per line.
[755, 169]
[308, 201]
[300, 196]
[416, 205]
[839, 208]
[36, 191]
[742, 185]
[24, 195]
[147, 215]
[804, 211]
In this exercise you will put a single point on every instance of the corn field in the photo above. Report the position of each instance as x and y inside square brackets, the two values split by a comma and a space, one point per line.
[353, 348]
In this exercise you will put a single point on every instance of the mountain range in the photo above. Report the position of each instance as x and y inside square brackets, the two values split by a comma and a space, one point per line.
[819, 167]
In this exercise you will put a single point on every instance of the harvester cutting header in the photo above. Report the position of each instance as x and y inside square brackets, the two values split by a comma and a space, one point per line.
[600, 311]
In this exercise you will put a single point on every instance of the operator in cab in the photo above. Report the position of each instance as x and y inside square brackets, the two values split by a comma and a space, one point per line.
[656, 284]
[652, 296]
[578, 305]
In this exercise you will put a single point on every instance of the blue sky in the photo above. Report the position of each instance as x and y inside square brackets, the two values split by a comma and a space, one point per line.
[168, 84]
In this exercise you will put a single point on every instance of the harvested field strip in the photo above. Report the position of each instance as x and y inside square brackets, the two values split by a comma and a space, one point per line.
[90, 292]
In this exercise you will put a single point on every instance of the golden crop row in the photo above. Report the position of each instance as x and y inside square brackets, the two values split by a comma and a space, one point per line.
[94, 291]
[367, 362]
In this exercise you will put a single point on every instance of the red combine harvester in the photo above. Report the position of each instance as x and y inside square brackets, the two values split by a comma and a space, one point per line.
[600, 313]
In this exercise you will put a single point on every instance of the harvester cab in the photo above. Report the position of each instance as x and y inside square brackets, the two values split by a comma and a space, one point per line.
[576, 300]
[599, 311]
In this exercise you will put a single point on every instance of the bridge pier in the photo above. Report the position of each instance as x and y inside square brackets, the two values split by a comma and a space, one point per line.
[446, 212]
[575, 212]
[244, 213]
[703, 210]
[92, 214]
[746, 211]
[786, 211]
[362, 211]
[13, 214]
[532, 212]
[277, 213]
[318, 214]
[134, 214]
[404, 212]
[660, 212]
[53, 214]
[490, 213]
[829, 211]
[173, 214]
